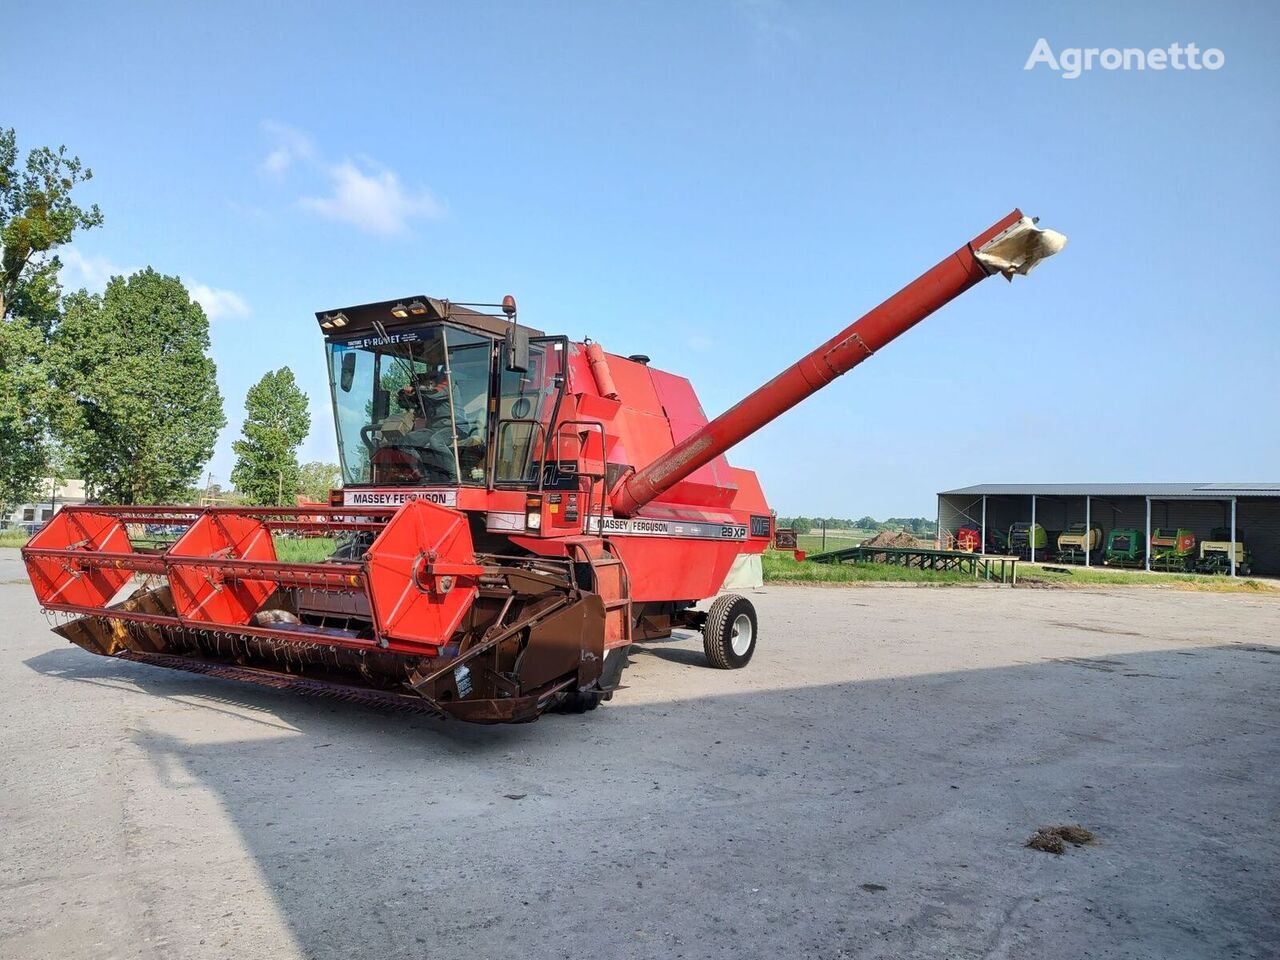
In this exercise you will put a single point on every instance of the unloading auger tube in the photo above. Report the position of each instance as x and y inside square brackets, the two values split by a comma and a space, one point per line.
[1013, 245]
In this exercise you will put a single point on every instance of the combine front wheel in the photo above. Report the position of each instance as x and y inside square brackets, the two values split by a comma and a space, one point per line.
[729, 633]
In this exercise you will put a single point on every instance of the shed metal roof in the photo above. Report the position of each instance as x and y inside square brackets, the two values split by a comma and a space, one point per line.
[1172, 490]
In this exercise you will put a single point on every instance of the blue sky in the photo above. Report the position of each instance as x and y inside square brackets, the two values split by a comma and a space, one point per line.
[721, 185]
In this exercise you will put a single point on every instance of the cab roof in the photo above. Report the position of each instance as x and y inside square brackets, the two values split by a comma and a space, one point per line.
[418, 309]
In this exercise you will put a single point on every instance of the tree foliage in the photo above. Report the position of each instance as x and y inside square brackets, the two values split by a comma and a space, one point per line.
[137, 403]
[318, 479]
[23, 450]
[277, 421]
[37, 215]
[920, 526]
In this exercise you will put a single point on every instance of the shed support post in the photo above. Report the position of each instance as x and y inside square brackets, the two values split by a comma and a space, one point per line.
[1031, 535]
[1148, 541]
[1088, 528]
[983, 546]
[1233, 536]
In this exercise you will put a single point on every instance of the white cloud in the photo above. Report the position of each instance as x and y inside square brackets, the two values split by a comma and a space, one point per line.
[372, 199]
[219, 304]
[91, 273]
[290, 145]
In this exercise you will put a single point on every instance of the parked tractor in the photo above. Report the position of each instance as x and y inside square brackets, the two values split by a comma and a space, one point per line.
[517, 510]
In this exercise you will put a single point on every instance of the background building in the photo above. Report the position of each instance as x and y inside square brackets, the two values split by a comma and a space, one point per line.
[54, 495]
[1199, 507]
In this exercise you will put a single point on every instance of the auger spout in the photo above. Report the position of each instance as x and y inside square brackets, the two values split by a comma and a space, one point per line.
[1012, 245]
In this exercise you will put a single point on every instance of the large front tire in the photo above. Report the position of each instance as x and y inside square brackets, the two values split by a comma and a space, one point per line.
[729, 633]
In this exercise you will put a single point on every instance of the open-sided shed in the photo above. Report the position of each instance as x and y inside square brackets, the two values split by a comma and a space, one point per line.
[1251, 508]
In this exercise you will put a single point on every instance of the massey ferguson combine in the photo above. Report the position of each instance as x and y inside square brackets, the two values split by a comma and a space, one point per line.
[517, 510]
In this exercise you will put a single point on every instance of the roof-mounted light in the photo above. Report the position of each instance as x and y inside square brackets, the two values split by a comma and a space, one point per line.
[509, 305]
[339, 319]
[399, 311]
[417, 308]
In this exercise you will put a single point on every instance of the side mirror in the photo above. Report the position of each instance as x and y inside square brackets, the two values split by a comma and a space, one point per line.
[348, 372]
[381, 404]
[517, 351]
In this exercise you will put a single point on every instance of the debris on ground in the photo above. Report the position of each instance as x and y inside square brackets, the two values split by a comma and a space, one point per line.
[874, 887]
[1074, 834]
[1055, 839]
[1048, 842]
[887, 539]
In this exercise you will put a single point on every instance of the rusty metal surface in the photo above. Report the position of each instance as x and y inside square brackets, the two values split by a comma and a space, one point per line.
[306, 686]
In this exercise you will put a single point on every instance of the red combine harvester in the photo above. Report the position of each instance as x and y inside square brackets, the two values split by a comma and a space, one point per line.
[517, 510]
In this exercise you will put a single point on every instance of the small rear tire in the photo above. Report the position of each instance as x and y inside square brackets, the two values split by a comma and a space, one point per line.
[578, 702]
[729, 634]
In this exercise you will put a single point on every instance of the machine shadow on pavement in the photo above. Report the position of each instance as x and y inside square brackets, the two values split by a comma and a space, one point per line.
[881, 818]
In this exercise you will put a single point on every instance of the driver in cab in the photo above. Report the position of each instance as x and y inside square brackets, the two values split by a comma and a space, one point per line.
[422, 435]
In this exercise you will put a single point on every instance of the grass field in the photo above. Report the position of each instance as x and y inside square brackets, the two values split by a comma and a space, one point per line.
[304, 550]
[781, 567]
[1079, 576]
[812, 542]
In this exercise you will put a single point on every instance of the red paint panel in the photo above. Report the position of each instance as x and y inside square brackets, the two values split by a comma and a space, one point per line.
[203, 593]
[711, 485]
[668, 568]
[422, 574]
[70, 581]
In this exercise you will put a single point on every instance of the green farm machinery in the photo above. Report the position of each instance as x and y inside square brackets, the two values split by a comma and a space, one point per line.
[1173, 550]
[1215, 553]
[1024, 537]
[1078, 542]
[1124, 549]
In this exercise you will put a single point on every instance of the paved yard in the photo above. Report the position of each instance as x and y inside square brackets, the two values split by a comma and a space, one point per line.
[863, 789]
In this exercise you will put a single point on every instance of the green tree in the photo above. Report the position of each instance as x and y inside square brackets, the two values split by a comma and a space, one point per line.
[37, 215]
[137, 403]
[318, 479]
[23, 448]
[277, 422]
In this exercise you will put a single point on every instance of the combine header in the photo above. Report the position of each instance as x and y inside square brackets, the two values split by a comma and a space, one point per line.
[517, 510]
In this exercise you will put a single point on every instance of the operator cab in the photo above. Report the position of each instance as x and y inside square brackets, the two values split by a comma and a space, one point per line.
[432, 393]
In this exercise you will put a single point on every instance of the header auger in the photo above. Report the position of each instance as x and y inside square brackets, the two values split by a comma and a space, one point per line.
[517, 510]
